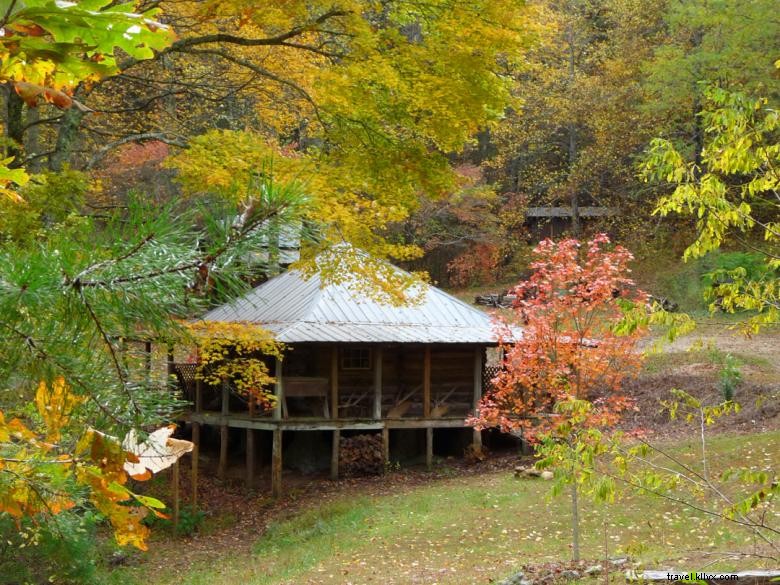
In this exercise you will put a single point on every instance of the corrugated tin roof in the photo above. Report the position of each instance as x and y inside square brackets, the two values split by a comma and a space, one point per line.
[298, 309]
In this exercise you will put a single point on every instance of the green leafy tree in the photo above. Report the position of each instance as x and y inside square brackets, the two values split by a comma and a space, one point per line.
[732, 192]
[708, 42]
[47, 48]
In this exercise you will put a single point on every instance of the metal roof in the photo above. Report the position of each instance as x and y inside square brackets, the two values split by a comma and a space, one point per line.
[299, 309]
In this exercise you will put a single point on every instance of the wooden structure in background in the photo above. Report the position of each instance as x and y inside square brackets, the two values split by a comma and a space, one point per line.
[352, 363]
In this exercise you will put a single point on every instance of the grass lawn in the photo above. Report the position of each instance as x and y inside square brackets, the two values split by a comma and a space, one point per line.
[463, 530]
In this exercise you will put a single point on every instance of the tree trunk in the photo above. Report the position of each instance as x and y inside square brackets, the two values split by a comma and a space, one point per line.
[32, 139]
[697, 136]
[572, 130]
[575, 523]
[14, 127]
[66, 138]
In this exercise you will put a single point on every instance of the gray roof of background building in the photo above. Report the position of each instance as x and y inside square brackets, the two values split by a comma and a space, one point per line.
[297, 309]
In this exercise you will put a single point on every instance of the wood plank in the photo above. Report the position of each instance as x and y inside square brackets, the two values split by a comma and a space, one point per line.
[476, 439]
[427, 382]
[385, 446]
[148, 360]
[586, 211]
[176, 497]
[198, 395]
[195, 463]
[276, 464]
[334, 382]
[269, 424]
[278, 389]
[378, 383]
[250, 458]
[224, 433]
[225, 402]
[477, 380]
[429, 448]
[334, 455]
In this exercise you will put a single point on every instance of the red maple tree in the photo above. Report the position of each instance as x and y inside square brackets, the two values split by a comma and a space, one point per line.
[569, 349]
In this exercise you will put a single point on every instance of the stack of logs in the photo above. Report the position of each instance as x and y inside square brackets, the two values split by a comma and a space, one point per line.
[361, 455]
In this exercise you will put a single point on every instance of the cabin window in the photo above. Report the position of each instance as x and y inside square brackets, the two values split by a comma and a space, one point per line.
[356, 358]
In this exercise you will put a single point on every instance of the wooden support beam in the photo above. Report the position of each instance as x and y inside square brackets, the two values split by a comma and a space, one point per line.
[278, 390]
[276, 464]
[429, 448]
[334, 455]
[224, 433]
[334, 382]
[225, 396]
[427, 382]
[378, 383]
[478, 368]
[250, 458]
[198, 395]
[176, 497]
[148, 360]
[477, 395]
[195, 463]
[171, 371]
[385, 446]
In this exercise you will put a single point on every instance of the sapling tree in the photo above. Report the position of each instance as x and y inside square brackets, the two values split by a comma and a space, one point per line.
[739, 494]
[562, 375]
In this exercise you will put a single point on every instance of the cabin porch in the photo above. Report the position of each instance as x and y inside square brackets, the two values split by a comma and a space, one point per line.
[344, 387]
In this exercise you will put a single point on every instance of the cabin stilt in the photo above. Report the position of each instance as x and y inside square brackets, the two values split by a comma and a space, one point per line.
[276, 464]
[429, 447]
[195, 463]
[334, 455]
[250, 458]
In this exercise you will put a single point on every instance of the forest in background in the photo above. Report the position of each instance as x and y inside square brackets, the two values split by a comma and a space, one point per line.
[556, 110]
[156, 156]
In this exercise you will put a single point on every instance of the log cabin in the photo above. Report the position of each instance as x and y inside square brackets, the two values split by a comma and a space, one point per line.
[351, 363]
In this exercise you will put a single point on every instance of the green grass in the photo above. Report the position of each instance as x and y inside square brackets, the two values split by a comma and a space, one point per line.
[660, 362]
[464, 530]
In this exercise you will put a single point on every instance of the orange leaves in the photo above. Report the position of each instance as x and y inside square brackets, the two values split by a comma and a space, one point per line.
[38, 469]
[33, 94]
[569, 350]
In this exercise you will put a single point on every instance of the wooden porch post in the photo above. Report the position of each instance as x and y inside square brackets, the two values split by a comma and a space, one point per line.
[224, 430]
[198, 395]
[334, 455]
[195, 462]
[171, 371]
[385, 445]
[250, 457]
[427, 382]
[378, 383]
[148, 360]
[429, 447]
[176, 502]
[278, 390]
[334, 382]
[477, 440]
[276, 464]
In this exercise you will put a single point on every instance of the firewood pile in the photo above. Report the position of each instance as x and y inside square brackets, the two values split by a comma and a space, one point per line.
[498, 300]
[361, 455]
